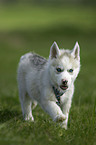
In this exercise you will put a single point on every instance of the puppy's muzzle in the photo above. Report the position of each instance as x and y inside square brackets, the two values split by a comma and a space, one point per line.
[64, 85]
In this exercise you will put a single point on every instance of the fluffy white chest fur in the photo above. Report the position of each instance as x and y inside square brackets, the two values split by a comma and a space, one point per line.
[50, 83]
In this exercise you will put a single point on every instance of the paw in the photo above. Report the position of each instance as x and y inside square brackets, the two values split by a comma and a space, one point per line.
[64, 125]
[60, 118]
[29, 118]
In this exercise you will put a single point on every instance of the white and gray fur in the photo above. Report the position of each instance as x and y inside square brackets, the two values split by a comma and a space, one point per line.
[37, 76]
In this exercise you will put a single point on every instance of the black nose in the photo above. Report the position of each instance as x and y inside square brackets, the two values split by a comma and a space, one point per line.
[64, 82]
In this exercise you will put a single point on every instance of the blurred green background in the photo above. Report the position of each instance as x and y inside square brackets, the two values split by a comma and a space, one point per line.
[33, 26]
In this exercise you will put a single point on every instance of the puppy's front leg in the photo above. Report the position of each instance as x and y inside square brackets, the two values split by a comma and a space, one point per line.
[54, 111]
[66, 108]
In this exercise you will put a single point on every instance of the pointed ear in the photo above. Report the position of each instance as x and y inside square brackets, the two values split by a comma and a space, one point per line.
[76, 51]
[54, 51]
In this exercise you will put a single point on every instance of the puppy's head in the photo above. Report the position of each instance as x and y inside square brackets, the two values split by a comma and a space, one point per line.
[64, 66]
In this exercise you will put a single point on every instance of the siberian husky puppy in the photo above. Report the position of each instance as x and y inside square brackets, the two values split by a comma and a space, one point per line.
[50, 83]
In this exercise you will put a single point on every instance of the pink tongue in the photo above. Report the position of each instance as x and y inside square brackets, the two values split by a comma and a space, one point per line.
[64, 88]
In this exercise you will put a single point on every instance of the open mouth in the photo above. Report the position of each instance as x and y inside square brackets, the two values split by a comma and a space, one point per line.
[63, 87]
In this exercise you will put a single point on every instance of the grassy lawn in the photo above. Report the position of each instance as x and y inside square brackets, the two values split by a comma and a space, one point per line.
[34, 28]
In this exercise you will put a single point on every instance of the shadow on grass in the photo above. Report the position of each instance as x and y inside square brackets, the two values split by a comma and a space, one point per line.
[6, 115]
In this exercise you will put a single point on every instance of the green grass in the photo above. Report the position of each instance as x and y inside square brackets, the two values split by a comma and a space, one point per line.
[34, 28]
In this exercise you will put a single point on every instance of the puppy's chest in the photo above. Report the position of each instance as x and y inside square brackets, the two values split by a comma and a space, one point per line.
[64, 98]
[50, 95]
[54, 95]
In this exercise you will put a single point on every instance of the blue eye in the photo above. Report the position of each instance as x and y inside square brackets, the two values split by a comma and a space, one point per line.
[58, 69]
[70, 70]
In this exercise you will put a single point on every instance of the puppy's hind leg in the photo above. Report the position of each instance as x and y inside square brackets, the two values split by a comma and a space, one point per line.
[34, 104]
[25, 100]
[27, 110]
[26, 106]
